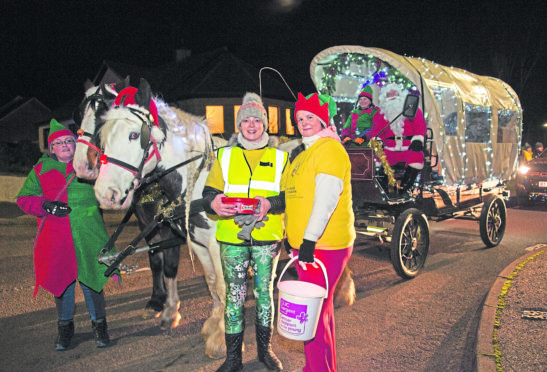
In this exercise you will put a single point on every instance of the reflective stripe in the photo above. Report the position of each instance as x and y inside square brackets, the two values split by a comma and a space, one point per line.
[225, 154]
[233, 189]
[254, 184]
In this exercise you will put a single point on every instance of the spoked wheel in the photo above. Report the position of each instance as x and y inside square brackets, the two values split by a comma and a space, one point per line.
[492, 220]
[409, 243]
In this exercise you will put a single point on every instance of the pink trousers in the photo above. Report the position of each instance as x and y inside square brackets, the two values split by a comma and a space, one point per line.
[321, 351]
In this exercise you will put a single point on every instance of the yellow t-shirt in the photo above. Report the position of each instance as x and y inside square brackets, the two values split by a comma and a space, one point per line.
[325, 156]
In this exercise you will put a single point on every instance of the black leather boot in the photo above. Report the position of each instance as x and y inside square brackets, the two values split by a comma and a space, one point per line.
[233, 362]
[100, 332]
[408, 180]
[65, 332]
[264, 348]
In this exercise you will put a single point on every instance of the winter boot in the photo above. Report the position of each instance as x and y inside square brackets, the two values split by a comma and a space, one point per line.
[65, 333]
[408, 180]
[233, 362]
[100, 332]
[264, 348]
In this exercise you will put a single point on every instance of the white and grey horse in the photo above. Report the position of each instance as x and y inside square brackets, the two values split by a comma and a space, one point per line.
[182, 136]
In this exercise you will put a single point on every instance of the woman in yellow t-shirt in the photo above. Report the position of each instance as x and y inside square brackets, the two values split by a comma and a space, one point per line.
[319, 216]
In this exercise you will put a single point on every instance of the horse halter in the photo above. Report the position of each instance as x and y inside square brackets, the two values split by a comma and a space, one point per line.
[146, 142]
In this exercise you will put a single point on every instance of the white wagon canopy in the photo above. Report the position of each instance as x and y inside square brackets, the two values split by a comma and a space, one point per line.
[476, 120]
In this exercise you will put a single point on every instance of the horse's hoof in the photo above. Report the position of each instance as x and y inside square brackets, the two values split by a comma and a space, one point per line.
[344, 294]
[214, 350]
[150, 313]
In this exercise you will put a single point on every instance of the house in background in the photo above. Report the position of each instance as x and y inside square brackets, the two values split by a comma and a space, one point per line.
[211, 85]
[21, 118]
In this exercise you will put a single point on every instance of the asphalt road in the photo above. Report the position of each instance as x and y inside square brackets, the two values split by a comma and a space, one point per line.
[425, 324]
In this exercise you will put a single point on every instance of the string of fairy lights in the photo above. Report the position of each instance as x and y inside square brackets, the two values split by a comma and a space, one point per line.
[360, 70]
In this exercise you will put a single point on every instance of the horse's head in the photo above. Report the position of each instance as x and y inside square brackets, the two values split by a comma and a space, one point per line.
[130, 140]
[88, 115]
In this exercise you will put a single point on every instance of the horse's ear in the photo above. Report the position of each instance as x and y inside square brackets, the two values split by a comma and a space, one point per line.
[109, 91]
[144, 94]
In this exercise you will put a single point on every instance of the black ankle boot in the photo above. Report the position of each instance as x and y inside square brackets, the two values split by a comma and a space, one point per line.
[264, 348]
[100, 332]
[65, 332]
[233, 362]
[409, 178]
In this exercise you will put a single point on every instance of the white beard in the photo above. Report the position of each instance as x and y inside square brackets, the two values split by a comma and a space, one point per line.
[391, 108]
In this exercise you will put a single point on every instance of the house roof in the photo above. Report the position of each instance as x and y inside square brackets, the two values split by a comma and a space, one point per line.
[217, 73]
[20, 118]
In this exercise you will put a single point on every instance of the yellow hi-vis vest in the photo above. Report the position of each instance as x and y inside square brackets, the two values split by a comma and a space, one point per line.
[240, 182]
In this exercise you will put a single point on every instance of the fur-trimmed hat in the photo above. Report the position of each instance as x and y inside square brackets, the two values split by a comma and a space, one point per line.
[252, 106]
[57, 130]
[366, 92]
[321, 105]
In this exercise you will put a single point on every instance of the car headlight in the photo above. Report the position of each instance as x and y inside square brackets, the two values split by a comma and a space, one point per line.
[523, 169]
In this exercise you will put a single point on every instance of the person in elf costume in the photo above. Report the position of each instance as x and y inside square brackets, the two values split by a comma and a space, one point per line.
[404, 138]
[319, 218]
[360, 120]
[248, 168]
[71, 233]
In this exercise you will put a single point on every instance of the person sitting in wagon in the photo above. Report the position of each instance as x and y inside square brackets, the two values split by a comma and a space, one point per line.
[360, 119]
[404, 138]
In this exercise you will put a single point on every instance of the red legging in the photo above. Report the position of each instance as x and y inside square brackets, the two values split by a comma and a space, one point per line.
[321, 350]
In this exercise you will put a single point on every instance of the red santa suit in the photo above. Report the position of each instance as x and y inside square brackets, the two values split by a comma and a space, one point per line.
[404, 138]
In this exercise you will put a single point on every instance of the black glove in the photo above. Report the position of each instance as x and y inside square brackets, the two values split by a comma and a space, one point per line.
[287, 246]
[306, 251]
[56, 208]
[416, 146]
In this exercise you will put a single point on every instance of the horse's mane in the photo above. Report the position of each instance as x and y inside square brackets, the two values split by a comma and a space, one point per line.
[193, 129]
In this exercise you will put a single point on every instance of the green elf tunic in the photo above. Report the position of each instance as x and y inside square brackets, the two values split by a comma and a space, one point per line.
[66, 248]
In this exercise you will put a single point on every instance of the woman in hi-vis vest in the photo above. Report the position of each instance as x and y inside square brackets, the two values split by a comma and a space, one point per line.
[248, 168]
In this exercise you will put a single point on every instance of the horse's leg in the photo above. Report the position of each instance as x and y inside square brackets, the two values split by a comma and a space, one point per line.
[213, 328]
[154, 306]
[170, 316]
[344, 294]
[145, 214]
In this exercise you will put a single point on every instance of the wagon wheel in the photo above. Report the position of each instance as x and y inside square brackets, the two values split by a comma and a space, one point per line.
[492, 220]
[409, 243]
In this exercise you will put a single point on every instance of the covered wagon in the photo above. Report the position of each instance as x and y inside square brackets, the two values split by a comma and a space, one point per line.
[474, 126]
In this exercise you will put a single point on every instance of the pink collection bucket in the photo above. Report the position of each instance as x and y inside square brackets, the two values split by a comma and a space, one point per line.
[299, 306]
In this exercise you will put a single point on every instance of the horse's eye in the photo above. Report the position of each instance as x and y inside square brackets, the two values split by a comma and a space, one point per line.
[133, 135]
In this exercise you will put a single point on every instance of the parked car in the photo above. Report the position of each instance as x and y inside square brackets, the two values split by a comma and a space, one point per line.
[532, 180]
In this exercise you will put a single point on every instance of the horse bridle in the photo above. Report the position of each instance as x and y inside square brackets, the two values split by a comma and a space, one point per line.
[146, 142]
[94, 100]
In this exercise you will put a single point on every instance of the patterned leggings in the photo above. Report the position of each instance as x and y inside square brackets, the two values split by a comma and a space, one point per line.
[235, 266]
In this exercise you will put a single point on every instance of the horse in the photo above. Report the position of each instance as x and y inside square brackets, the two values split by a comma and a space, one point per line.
[163, 262]
[88, 114]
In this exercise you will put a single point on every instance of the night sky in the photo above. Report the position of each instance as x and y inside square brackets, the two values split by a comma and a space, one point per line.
[49, 48]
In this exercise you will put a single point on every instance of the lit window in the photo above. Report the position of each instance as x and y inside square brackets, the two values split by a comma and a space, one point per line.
[215, 118]
[288, 120]
[273, 116]
[236, 110]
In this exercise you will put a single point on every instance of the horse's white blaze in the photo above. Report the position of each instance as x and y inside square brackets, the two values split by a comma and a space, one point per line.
[114, 185]
[81, 164]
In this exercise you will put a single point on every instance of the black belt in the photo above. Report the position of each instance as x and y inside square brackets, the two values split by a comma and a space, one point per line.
[399, 137]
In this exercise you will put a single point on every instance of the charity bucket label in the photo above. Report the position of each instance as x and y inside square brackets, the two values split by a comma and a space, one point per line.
[293, 317]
